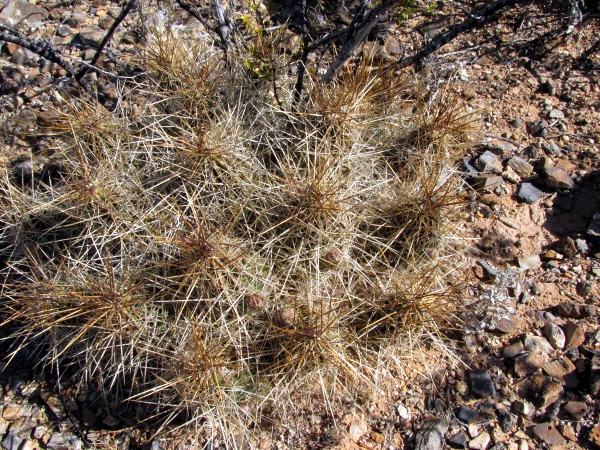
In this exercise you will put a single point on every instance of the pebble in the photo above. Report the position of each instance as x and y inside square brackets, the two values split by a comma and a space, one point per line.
[431, 435]
[529, 193]
[507, 421]
[556, 114]
[538, 127]
[516, 122]
[403, 412]
[584, 289]
[555, 336]
[512, 350]
[487, 181]
[458, 440]
[549, 434]
[467, 414]
[574, 335]
[594, 384]
[481, 442]
[519, 165]
[553, 149]
[489, 163]
[576, 410]
[529, 362]
[537, 344]
[356, 431]
[12, 441]
[92, 35]
[572, 310]
[551, 392]
[481, 383]
[523, 408]
[557, 178]
[59, 441]
[563, 370]
[490, 271]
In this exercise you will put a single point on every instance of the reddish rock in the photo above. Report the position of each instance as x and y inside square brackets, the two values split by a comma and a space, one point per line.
[568, 432]
[551, 392]
[576, 409]
[529, 362]
[595, 435]
[558, 178]
[564, 371]
[548, 434]
[574, 335]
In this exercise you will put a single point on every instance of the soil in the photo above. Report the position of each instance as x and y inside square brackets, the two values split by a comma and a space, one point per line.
[522, 66]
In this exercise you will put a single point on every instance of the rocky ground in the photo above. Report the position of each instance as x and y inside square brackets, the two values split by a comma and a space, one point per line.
[526, 371]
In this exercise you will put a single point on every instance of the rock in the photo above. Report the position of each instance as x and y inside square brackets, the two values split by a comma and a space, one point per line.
[567, 247]
[105, 23]
[111, 421]
[512, 350]
[503, 325]
[529, 193]
[59, 441]
[92, 35]
[76, 19]
[23, 12]
[584, 289]
[516, 122]
[500, 147]
[537, 127]
[507, 421]
[472, 170]
[549, 434]
[489, 163]
[557, 178]
[565, 165]
[392, 47]
[576, 409]
[481, 383]
[529, 363]
[529, 262]
[553, 149]
[489, 270]
[12, 441]
[595, 435]
[481, 442]
[459, 440]
[574, 335]
[38, 432]
[594, 385]
[572, 310]
[403, 412]
[467, 414]
[551, 392]
[556, 114]
[524, 408]
[568, 432]
[564, 371]
[594, 227]
[487, 182]
[537, 344]
[582, 246]
[510, 175]
[461, 387]
[431, 435]
[519, 165]
[55, 404]
[555, 336]
[552, 255]
[14, 411]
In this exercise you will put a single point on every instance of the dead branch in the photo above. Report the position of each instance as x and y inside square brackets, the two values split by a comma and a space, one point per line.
[126, 9]
[224, 24]
[361, 26]
[475, 20]
[41, 47]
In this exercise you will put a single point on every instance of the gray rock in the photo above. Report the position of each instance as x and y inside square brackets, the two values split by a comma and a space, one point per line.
[59, 441]
[487, 181]
[574, 335]
[537, 344]
[507, 421]
[488, 162]
[76, 19]
[594, 227]
[431, 435]
[530, 262]
[22, 12]
[64, 31]
[529, 193]
[481, 383]
[516, 122]
[92, 35]
[12, 441]
[555, 335]
[459, 440]
[556, 114]
[467, 414]
[510, 351]
[467, 163]
[481, 442]
[553, 149]
[490, 271]
[576, 410]
[557, 178]
[572, 310]
[501, 147]
[594, 385]
[584, 289]
[519, 165]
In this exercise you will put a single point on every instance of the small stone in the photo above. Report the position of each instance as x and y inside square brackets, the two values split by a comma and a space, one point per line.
[537, 127]
[516, 122]
[552, 255]
[594, 387]
[92, 35]
[519, 165]
[481, 383]
[523, 408]
[467, 414]
[110, 421]
[595, 435]
[564, 371]
[459, 440]
[403, 412]
[12, 441]
[59, 441]
[576, 410]
[557, 178]
[551, 392]
[537, 344]
[572, 310]
[106, 22]
[481, 442]
[555, 335]
[512, 350]
[529, 193]
[64, 30]
[510, 175]
[500, 147]
[549, 434]
[38, 432]
[461, 387]
[565, 165]
[582, 246]
[556, 114]
[567, 247]
[574, 335]
[490, 271]
[553, 149]
[531, 262]
[431, 435]
[488, 162]
[529, 363]
[568, 432]
[507, 421]
[487, 182]
[502, 325]
[584, 289]
[392, 46]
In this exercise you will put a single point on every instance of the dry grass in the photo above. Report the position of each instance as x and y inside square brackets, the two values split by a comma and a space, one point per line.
[230, 256]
